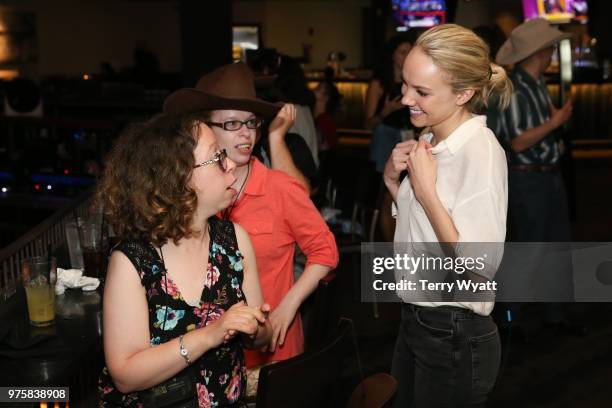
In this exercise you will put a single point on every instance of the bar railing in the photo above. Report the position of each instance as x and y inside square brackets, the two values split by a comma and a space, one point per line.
[48, 235]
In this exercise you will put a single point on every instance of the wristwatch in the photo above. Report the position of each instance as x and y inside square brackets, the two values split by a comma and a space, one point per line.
[183, 351]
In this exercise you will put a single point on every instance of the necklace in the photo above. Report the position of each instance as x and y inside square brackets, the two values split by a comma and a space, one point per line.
[228, 210]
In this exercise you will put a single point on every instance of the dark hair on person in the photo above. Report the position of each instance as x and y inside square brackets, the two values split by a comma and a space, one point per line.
[384, 70]
[291, 83]
[144, 189]
[333, 97]
[263, 61]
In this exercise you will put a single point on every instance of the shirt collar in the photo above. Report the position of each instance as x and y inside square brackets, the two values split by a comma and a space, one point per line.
[526, 77]
[460, 136]
[257, 177]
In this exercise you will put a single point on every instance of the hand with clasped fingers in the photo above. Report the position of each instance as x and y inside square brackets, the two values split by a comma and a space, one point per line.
[416, 158]
[397, 162]
[240, 318]
[422, 171]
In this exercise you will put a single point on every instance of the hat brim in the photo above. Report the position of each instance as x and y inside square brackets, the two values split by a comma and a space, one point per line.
[190, 100]
[508, 55]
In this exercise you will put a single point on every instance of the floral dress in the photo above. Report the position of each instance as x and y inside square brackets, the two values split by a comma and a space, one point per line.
[220, 372]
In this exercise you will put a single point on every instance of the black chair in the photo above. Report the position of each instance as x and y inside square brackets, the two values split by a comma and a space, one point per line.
[376, 391]
[306, 380]
[365, 209]
[319, 315]
[367, 217]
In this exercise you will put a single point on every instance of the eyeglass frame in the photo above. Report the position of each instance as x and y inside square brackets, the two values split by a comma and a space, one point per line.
[223, 125]
[219, 158]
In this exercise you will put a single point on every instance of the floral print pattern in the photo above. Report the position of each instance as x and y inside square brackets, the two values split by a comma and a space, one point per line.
[208, 313]
[204, 396]
[170, 288]
[167, 318]
[220, 373]
[212, 275]
[232, 391]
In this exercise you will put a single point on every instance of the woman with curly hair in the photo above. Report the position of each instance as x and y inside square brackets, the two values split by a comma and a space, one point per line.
[182, 294]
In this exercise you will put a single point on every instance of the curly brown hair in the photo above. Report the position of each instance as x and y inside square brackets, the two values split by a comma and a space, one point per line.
[144, 188]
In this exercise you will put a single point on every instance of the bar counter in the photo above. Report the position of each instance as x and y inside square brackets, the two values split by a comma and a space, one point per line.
[591, 118]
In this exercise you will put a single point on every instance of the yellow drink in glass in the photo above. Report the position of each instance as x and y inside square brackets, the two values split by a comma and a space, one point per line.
[39, 276]
[41, 304]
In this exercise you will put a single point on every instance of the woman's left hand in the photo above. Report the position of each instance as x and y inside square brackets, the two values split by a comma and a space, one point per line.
[281, 319]
[422, 170]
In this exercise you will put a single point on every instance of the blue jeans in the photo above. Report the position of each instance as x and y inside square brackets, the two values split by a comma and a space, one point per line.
[384, 139]
[445, 357]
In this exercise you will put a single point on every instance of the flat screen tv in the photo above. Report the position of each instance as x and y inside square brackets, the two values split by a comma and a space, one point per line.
[419, 13]
[556, 11]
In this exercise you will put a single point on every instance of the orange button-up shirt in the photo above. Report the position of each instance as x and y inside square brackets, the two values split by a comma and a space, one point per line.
[277, 213]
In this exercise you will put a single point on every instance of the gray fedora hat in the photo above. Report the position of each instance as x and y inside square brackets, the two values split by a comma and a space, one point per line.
[527, 39]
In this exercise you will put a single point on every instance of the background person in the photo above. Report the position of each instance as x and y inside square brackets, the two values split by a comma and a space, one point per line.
[529, 130]
[387, 117]
[273, 207]
[328, 101]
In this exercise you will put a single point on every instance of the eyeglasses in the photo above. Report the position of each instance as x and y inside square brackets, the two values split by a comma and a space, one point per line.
[235, 125]
[220, 158]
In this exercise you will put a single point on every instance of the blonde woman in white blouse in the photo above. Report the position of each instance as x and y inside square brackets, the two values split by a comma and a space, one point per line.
[448, 353]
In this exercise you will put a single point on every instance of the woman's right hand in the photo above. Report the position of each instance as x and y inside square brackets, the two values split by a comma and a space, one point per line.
[398, 160]
[391, 105]
[238, 318]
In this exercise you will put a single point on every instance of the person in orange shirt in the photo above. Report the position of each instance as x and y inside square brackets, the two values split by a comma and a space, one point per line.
[273, 207]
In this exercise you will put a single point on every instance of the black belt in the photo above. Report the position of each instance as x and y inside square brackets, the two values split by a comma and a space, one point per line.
[441, 308]
[535, 167]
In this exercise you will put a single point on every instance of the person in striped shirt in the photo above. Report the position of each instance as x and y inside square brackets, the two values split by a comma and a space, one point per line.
[528, 131]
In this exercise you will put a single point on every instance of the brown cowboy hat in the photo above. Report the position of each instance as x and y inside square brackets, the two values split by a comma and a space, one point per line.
[527, 39]
[228, 87]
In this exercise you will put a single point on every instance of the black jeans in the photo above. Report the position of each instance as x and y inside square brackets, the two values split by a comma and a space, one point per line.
[538, 207]
[538, 212]
[445, 357]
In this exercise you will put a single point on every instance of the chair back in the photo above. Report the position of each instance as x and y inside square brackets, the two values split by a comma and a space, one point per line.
[373, 392]
[305, 380]
[319, 320]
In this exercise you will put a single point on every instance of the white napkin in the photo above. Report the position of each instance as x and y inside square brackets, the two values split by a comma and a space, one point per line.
[73, 278]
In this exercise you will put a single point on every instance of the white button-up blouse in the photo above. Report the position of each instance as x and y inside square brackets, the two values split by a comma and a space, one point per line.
[472, 183]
